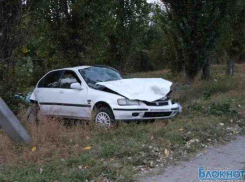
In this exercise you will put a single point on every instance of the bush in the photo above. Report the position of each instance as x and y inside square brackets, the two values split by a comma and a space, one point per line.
[221, 86]
[12, 101]
[221, 109]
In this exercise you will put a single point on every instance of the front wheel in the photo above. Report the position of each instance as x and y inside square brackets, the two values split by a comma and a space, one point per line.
[104, 117]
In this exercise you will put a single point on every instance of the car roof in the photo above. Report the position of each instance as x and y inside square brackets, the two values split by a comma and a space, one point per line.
[81, 67]
[73, 68]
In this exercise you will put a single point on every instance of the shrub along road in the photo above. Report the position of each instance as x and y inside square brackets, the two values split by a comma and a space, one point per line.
[229, 156]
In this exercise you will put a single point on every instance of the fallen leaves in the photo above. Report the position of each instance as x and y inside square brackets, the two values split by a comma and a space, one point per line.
[85, 167]
[166, 152]
[81, 167]
[221, 124]
[25, 50]
[33, 149]
[88, 148]
[189, 143]
[41, 170]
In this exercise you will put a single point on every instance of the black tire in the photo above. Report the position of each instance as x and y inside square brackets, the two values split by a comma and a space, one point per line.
[104, 117]
[32, 113]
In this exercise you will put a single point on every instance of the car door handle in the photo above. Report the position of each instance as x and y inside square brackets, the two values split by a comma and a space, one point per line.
[61, 92]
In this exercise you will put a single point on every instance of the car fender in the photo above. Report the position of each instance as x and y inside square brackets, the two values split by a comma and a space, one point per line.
[107, 101]
[95, 96]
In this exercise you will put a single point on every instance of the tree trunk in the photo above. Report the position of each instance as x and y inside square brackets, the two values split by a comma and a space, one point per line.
[2, 32]
[230, 67]
[206, 75]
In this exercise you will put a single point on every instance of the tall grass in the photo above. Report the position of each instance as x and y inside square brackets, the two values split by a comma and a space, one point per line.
[124, 149]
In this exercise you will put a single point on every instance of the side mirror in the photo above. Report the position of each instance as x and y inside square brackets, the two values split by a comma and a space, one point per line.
[76, 86]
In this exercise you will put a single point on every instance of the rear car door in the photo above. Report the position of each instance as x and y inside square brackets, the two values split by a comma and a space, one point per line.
[47, 93]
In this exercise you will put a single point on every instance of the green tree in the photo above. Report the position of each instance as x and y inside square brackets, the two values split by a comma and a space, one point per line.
[127, 31]
[10, 38]
[233, 40]
[197, 26]
[71, 33]
[172, 47]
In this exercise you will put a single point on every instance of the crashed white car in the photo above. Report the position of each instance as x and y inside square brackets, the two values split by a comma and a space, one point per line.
[100, 93]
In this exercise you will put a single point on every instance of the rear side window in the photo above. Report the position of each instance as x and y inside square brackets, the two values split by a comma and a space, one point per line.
[68, 78]
[51, 80]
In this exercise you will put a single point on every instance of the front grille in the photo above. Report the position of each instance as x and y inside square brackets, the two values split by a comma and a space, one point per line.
[156, 103]
[175, 109]
[156, 114]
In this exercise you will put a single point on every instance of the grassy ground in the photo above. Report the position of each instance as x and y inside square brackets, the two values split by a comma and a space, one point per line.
[211, 114]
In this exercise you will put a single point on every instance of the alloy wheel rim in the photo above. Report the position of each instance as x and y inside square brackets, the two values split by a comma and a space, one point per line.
[103, 119]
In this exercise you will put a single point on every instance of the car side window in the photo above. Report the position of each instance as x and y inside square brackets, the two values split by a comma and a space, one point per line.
[68, 78]
[51, 80]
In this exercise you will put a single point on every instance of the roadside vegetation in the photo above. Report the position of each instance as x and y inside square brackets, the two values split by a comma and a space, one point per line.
[65, 150]
[178, 40]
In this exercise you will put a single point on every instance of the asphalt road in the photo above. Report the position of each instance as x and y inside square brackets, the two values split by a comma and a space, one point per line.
[231, 155]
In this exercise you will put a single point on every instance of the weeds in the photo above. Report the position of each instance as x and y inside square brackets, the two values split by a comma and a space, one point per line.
[207, 89]
[216, 109]
[222, 85]
[222, 109]
[118, 153]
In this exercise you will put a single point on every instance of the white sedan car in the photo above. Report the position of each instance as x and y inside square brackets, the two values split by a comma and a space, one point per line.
[99, 93]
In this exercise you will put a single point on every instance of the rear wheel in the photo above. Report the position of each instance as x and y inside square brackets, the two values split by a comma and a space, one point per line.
[104, 117]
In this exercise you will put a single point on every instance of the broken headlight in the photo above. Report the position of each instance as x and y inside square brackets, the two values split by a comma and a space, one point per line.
[169, 95]
[127, 102]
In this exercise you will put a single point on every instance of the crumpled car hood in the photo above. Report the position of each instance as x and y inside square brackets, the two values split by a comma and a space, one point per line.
[144, 89]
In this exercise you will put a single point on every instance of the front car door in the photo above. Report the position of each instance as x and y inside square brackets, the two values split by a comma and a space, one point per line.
[74, 101]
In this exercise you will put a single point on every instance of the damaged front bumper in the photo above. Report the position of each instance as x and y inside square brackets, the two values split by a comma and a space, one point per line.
[147, 112]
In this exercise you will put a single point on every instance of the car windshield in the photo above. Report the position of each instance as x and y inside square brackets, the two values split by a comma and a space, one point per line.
[93, 75]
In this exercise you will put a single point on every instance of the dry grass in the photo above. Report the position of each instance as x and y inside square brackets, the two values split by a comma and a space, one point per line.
[53, 139]
[121, 150]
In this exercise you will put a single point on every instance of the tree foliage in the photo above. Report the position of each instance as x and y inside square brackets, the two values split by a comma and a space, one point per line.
[65, 33]
[197, 27]
[132, 35]
[89, 32]
[10, 38]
